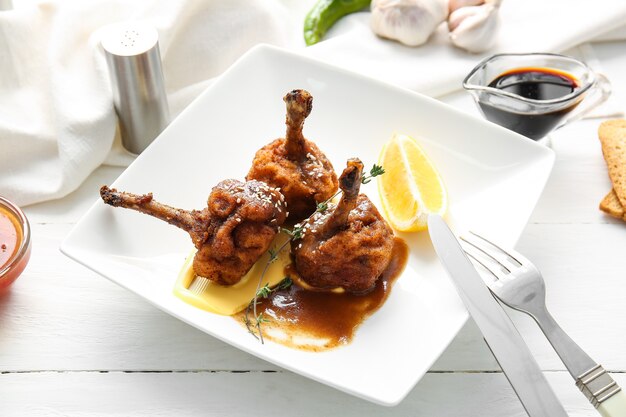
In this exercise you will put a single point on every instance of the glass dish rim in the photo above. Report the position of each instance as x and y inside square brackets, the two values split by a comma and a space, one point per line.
[24, 244]
[467, 85]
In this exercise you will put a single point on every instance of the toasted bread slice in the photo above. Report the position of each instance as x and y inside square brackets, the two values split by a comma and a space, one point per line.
[611, 205]
[612, 134]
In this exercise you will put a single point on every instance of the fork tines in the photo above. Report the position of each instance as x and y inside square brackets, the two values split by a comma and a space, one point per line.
[490, 256]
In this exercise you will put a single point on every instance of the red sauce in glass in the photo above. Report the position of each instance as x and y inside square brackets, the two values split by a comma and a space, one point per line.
[14, 245]
[10, 237]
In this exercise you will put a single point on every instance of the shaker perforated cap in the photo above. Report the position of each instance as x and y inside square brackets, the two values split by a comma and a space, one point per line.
[134, 61]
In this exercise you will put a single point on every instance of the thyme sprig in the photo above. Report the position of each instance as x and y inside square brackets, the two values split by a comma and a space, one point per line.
[294, 234]
[265, 291]
[323, 206]
[376, 171]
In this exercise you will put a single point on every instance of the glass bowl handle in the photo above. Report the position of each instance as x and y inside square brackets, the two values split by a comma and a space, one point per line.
[598, 94]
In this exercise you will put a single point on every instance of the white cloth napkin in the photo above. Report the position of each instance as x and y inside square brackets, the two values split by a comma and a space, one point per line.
[57, 123]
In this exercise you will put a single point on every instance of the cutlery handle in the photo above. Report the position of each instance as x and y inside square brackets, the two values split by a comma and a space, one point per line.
[602, 392]
[614, 406]
[592, 380]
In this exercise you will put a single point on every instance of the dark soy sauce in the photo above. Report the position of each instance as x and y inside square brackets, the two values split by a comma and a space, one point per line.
[536, 84]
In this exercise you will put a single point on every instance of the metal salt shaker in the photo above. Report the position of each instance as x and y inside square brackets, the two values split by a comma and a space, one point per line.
[6, 5]
[134, 61]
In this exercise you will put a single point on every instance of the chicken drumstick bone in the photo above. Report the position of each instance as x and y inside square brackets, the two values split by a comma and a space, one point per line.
[231, 233]
[294, 164]
[348, 245]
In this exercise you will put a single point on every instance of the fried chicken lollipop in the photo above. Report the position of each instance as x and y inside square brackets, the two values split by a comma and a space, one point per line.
[348, 245]
[294, 164]
[236, 228]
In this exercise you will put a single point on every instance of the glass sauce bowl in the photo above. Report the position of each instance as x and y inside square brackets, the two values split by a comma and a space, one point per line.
[15, 237]
[535, 118]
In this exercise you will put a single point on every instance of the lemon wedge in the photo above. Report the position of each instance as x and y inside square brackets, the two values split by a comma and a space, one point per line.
[411, 187]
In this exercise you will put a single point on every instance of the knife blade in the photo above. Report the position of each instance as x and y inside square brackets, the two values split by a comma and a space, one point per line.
[505, 342]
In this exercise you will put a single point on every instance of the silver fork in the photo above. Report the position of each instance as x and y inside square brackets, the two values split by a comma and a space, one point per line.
[517, 282]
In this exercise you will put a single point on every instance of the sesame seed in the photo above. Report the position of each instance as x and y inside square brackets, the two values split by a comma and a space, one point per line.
[238, 200]
[238, 220]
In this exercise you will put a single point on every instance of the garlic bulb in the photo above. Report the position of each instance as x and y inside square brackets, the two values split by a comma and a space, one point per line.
[408, 21]
[474, 28]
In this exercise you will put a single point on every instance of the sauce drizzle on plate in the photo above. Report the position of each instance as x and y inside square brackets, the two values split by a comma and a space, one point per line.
[322, 320]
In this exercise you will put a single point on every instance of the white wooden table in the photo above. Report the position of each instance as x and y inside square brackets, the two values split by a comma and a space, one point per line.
[74, 344]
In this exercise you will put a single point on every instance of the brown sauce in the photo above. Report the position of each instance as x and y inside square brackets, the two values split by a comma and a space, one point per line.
[316, 320]
[537, 84]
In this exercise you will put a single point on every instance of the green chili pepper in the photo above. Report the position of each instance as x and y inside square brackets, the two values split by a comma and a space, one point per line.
[325, 13]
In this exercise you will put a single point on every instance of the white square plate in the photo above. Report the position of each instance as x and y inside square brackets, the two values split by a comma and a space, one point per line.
[494, 178]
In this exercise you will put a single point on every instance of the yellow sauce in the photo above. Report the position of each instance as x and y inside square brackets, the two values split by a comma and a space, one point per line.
[229, 300]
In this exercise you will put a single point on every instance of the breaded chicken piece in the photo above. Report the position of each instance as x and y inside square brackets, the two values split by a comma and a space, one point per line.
[236, 228]
[348, 245]
[294, 164]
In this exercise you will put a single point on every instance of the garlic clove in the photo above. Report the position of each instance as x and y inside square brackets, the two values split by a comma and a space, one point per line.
[457, 4]
[410, 22]
[474, 28]
[468, 12]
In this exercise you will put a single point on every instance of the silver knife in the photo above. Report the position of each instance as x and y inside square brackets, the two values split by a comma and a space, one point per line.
[500, 333]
